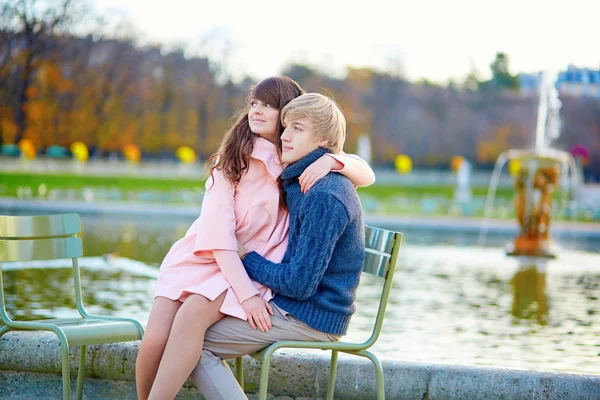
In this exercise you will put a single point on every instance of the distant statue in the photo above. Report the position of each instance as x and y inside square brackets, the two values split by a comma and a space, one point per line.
[364, 147]
[463, 182]
[533, 209]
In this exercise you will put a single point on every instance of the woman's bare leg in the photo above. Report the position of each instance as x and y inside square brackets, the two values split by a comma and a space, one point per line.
[153, 343]
[184, 346]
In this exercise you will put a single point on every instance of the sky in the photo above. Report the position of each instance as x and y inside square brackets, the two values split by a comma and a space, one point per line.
[433, 39]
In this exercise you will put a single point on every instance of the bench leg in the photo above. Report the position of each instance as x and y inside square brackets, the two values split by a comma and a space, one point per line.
[66, 373]
[332, 374]
[378, 372]
[81, 372]
[264, 376]
[4, 329]
[239, 371]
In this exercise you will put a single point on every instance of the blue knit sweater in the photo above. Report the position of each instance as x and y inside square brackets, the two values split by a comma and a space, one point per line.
[317, 278]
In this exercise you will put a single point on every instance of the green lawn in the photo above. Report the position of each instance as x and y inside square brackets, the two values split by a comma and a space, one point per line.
[384, 199]
[384, 192]
[10, 182]
[67, 181]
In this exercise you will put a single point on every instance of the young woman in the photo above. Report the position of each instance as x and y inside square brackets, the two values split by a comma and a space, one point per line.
[202, 278]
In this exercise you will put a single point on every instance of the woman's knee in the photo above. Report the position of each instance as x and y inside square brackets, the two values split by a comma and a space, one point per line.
[199, 310]
[155, 339]
[196, 305]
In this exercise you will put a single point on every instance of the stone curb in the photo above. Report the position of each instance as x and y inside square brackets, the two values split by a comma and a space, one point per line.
[30, 369]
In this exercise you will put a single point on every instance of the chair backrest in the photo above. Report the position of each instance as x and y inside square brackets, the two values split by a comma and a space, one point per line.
[40, 237]
[382, 248]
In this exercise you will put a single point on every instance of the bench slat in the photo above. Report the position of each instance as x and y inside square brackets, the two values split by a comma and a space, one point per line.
[379, 239]
[38, 226]
[40, 249]
[376, 263]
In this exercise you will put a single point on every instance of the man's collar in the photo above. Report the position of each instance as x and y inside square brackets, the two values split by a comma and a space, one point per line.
[297, 168]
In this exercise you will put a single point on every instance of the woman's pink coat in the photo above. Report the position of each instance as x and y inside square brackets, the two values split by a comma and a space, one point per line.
[258, 222]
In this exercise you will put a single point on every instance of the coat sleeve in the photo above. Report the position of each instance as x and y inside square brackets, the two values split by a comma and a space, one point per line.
[354, 168]
[230, 264]
[216, 224]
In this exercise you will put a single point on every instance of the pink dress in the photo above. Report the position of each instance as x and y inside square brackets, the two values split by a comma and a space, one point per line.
[257, 221]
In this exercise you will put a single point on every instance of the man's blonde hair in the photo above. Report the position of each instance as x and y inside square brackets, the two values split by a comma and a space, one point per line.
[328, 121]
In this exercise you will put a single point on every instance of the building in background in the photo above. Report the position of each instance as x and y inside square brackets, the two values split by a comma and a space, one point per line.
[575, 82]
[579, 82]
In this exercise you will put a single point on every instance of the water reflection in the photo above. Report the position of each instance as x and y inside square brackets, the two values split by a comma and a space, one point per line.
[41, 293]
[138, 239]
[530, 300]
[450, 303]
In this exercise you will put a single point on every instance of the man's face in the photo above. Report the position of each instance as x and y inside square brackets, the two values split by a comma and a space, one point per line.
[298, 140]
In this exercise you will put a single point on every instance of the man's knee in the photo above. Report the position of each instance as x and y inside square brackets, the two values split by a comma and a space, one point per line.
[209, 359]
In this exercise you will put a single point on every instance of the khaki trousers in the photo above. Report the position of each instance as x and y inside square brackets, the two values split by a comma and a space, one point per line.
[230, 338]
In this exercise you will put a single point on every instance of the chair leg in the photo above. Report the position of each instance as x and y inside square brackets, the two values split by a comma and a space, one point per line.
[81, 372]
[332, 374]
[378, 373]
[239, 371]
[66, 373]
[4, 329]
[264, 376]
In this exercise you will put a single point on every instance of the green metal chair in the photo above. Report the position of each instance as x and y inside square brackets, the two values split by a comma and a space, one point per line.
[27, 238]
[381, 256]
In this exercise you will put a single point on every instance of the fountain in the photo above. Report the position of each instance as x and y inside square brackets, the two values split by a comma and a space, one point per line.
[538, 173]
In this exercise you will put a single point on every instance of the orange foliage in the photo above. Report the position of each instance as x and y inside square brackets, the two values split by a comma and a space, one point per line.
[9, 129]
[489, 150]
[31, 92]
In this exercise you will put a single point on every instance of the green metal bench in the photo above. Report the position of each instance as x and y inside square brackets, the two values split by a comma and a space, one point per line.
[381, 256]
[26, 238]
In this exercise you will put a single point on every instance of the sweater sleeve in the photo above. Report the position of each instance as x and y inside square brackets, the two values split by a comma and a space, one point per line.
[230, 264]
[354, 168]
[325, 219]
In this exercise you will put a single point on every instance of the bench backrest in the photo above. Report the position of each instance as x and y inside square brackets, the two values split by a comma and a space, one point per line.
[382, 248]
[40, 237]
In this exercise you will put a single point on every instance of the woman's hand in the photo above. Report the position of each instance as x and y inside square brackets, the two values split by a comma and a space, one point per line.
[257, 311]
[317, 170]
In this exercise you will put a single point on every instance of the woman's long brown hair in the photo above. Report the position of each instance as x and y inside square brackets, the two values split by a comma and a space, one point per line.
[233, 156]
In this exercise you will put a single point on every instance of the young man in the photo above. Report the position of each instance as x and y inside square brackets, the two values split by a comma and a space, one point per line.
[316, 281]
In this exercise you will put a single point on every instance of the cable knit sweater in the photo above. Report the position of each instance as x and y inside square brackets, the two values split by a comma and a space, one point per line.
[317, 278]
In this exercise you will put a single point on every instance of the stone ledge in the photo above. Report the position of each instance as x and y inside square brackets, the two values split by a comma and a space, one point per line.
[30, 369]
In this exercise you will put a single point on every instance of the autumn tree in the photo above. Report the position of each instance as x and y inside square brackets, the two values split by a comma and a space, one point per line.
[30, 25]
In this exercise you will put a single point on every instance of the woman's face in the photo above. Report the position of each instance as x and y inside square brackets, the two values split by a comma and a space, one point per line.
[263, 119]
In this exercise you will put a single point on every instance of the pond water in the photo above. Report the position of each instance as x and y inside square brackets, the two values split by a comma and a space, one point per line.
[452, 302]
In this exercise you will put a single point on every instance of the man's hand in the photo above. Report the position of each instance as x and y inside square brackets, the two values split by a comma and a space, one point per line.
[317, 170]
[257, 311]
